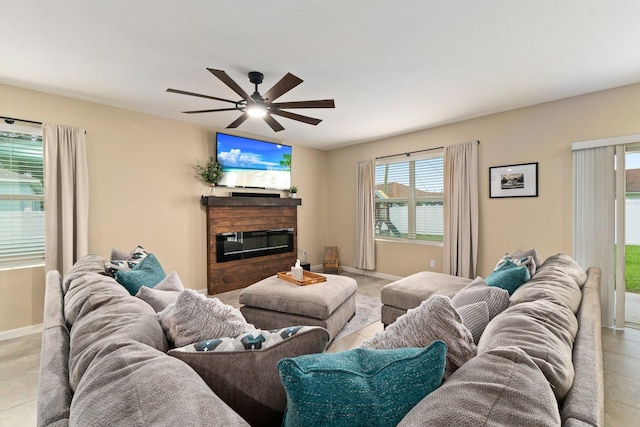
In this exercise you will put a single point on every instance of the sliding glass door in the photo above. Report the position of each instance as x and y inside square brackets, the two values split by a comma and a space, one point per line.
[607, 222]
[632, 235]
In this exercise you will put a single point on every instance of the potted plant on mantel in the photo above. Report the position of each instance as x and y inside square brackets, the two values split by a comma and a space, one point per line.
[209, 173]
[293, 191]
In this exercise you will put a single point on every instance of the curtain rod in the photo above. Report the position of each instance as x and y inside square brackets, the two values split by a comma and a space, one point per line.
[412, 152]
[409, 153]
[11, 120]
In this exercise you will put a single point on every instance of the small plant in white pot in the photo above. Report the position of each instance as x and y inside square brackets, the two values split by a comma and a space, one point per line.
[209, 173]
[293, 191]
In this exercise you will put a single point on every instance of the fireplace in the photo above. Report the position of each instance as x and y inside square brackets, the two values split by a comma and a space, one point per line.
[233, 246]
[249, 225]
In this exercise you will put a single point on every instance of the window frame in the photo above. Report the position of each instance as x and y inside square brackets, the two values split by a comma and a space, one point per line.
[26, 250]
[412, 201]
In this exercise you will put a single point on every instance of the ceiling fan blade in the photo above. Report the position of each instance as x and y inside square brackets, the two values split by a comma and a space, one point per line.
[210, 111]
[277, 127]
[298, 117]
[224, 77]
[237, 122]
[320, 103]
[182, 92]
[284, 85]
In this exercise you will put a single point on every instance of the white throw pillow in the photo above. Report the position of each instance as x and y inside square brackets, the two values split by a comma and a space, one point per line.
[163, 294]
[194, 317]
[434, 319]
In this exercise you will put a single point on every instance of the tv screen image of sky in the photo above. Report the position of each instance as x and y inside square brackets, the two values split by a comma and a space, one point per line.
[251, 163]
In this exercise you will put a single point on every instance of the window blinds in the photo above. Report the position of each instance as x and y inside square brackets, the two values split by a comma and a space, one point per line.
[21, 198]
[409, 197]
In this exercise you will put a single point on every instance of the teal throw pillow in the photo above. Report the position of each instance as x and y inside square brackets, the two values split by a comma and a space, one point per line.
[359, 387]
[509, 279]
[147, 272]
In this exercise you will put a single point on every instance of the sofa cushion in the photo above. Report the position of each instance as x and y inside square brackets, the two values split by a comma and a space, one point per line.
[132, 384]
[501, 387]
[147, 272]
[82, 286]
[558, 280]
[551, 284]
[104, 318]
[163, 294]
[247, 380]
[475, 317]
[545, 331]
[86, 264]
[359, 387]
[194, 317]
[568, 265]
[497, 299]
[434, 319]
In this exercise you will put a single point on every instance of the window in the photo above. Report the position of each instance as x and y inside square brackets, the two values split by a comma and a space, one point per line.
[21, 197]
[409, 195]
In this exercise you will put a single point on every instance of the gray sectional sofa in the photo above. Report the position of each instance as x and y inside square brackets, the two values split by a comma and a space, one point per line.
[105, 362]
[544, 347]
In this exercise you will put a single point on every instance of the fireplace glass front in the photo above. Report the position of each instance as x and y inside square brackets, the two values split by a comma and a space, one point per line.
[249, 244]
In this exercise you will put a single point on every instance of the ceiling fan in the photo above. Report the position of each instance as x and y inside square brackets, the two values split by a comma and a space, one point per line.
[257, 105]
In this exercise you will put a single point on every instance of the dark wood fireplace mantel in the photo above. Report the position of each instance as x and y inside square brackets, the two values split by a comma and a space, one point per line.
[249, 201]
[242, 214]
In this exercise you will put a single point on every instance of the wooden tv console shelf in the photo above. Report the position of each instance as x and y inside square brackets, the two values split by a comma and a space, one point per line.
[236, 214]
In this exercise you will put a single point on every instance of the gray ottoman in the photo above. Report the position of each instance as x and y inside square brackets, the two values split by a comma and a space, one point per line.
[409, 292]
[276, 303]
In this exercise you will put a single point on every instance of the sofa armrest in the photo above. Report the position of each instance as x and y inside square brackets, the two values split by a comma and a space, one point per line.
[54, 395]
[584, 404]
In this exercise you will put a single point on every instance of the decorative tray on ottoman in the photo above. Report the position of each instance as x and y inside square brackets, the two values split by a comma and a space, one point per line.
[309, 278]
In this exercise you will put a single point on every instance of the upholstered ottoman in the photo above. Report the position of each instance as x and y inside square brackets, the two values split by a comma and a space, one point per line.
[409, 292]
[276, 303]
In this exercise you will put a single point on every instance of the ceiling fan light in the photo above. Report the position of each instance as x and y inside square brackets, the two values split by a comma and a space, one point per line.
[256, 110]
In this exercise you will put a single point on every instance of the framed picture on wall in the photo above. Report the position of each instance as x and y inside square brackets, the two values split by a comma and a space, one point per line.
[513, 180]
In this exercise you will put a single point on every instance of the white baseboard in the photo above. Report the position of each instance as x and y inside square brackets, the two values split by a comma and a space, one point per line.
[363, 272]
[20, 332]
[372, 273]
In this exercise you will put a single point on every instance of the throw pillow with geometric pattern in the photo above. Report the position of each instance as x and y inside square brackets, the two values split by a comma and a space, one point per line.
[254, 340]
[134, 258]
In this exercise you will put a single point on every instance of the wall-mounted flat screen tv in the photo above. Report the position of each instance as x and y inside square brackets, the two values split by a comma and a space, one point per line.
[251, 163]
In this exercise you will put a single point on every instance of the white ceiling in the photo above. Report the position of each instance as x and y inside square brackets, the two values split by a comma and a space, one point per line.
[391, 66]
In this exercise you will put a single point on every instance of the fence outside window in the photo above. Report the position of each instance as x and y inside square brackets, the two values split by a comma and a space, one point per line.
[21, 198]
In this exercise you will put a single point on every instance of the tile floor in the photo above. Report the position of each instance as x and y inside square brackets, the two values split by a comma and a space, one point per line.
[19, 364]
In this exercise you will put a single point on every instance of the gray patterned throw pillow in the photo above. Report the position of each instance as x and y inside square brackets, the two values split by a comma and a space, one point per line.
[434, 319]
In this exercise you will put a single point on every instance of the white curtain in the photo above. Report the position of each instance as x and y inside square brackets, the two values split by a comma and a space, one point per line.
[365, 217]
[66, 196]
[461, 209]
[594, 224]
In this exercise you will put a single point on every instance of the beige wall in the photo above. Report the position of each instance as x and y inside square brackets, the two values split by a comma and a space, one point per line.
[142, 191]
[541, 133]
